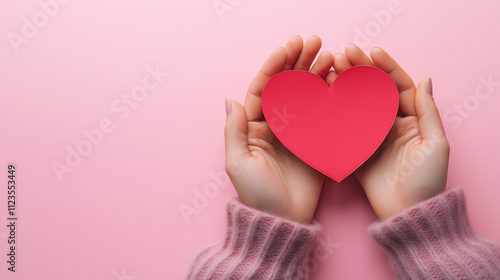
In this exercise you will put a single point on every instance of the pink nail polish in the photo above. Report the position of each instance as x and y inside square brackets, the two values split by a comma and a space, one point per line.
[228, 107]
[429, 86]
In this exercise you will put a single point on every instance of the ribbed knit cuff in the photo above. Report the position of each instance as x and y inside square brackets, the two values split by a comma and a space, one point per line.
[433, 240]
[257, 246]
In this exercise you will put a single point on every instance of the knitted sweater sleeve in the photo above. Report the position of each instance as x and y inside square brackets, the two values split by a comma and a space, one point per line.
[256, 246]
[433, 240]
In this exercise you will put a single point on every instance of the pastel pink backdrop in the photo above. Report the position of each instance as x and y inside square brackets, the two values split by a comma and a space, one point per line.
[116, 215]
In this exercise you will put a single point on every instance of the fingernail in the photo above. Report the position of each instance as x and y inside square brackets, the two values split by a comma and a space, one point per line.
[429, 86]
[228, 107]
[350, 45]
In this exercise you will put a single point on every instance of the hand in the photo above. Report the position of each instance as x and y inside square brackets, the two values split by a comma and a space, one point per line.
[411, 165]
[265, 174]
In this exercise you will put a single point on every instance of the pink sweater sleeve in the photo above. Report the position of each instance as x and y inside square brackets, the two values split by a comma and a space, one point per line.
[433, 240]
[256, 246]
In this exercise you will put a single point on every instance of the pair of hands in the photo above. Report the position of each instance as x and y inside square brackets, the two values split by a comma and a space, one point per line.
[410, 166]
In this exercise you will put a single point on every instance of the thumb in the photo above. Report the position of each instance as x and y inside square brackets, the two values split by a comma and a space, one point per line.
[235, 134]
[429, 121]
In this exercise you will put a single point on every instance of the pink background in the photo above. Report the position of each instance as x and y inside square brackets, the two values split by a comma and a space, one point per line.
[116, 214]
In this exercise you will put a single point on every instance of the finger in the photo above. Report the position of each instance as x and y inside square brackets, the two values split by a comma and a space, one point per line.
[273, 65]
[308, 53]
[323, 64]
[356, 56]
[429, 121]
[330, 77]
[340, 63]
[235, 134]
[293, 48]
[405, 84]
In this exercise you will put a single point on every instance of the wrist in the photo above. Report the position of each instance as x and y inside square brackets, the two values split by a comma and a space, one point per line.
[281, 209]
[400, 202]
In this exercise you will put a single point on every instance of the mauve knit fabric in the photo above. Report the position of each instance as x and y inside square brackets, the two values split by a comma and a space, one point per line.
[433, 240]
[257, 246]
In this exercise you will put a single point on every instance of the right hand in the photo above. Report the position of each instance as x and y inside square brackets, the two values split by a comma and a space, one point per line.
[411, 165]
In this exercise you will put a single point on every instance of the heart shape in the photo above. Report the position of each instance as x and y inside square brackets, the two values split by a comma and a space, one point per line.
[333, 129]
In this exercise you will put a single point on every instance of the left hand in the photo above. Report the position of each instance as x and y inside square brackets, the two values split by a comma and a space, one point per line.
[265, 174]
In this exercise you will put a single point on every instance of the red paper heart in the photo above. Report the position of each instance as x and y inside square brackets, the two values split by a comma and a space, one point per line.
[334, 129]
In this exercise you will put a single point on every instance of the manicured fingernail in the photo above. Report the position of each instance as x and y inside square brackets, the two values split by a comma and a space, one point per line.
[351, 45]
[429, 86]
[228, 107]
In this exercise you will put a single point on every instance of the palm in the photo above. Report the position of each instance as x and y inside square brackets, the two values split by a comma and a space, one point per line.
[275, 180]
[401, 168]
